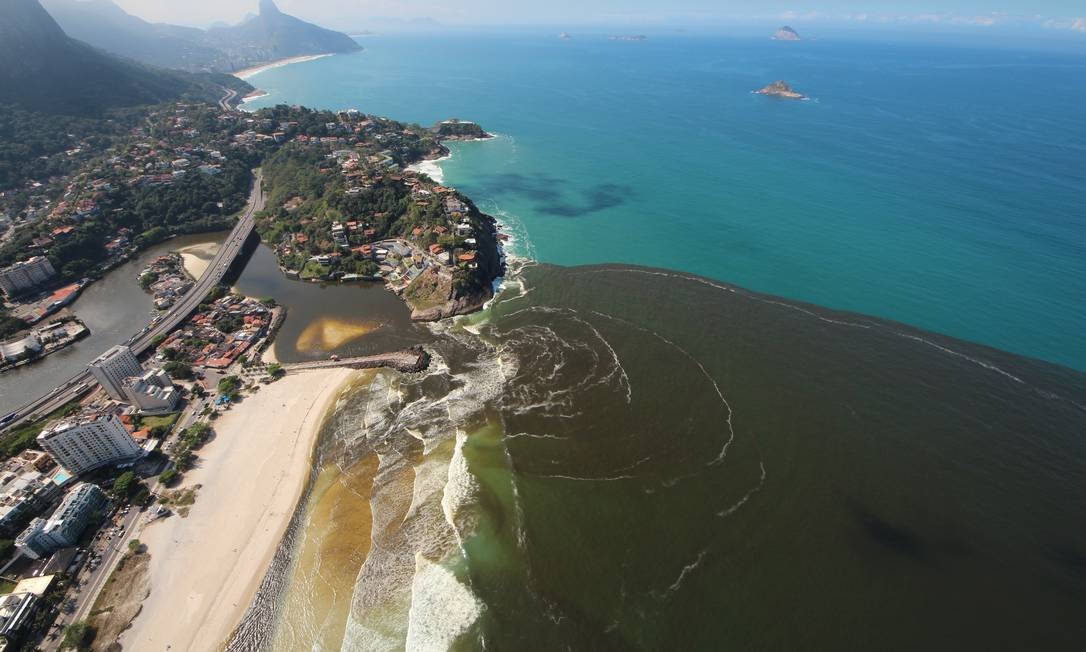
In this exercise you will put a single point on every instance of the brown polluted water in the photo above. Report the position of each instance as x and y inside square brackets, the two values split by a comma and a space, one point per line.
[619, 458]
[333, 542]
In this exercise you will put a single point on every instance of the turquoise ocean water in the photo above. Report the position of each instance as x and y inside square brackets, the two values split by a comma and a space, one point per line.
[933, 185]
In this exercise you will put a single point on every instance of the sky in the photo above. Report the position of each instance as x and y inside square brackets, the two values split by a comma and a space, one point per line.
[1063, 17]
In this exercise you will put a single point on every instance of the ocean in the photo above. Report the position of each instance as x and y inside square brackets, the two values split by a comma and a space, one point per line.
[934, 185]
[684, 451]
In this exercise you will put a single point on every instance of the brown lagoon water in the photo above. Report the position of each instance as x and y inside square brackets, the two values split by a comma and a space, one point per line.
[625, 458]
[114, 309]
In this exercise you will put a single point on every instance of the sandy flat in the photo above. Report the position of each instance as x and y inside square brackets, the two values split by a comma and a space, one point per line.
[256, 70]
[197, 257]
[206, 568]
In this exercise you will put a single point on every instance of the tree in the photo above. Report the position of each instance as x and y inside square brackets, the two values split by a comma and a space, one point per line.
[229, 385]
[78, 636]
[167, 478]
[134, 546]
[123, 485]
[179, 370]
[275, 370]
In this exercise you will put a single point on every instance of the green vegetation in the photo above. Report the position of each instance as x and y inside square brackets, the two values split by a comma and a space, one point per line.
[134, 546]
[179, 370]
[148, 279]
[29, 141]
[159, 426]
[191, 438]
[228, 385]
[275, 370]
[168, 477]
[22, 438]
[9, 325]
[78, 636]
[123, 485]
[228, 324]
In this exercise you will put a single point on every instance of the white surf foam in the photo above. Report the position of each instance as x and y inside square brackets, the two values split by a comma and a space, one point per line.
[442, 609]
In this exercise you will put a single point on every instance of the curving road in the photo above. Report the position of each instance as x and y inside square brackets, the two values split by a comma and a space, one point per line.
[228, 252]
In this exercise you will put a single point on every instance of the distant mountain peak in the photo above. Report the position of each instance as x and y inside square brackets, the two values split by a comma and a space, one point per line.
[268, 7]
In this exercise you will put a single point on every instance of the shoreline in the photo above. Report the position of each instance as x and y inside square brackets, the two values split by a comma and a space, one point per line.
[431, 167]
[207, 567]
[255, 95]
[252, 71]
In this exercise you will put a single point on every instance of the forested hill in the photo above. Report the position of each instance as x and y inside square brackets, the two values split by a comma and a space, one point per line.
[42, 69]
[106, 26]
[267, 36]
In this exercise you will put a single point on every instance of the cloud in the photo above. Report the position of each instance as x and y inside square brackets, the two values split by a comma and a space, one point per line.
[1078, 25]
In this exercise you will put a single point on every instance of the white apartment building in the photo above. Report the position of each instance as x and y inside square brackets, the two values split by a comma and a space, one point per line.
[63, 529]
[152, 393]
[114, 367]
[23, 276]
[90, 443]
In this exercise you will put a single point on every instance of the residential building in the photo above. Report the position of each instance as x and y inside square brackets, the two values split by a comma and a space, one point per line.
[152, 393]
[26, 275]
[16, 612]
[114, 367]
[90, 443]
[23, 496]
[63, 529]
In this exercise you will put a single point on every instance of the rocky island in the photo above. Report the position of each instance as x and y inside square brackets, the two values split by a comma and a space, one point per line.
[460, 130]
[786, 33]
[782, 90]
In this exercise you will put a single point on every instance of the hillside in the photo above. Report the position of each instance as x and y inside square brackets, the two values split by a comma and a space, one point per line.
[45, 70]
[267, 36]
[106, 26]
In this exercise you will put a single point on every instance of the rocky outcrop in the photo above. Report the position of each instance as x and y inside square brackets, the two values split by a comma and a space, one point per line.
[786, 33]
[435, 295]
[460, 130]
[782, 90]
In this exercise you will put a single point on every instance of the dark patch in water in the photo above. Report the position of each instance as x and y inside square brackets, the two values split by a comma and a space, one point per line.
[889, 536]
[550, 197]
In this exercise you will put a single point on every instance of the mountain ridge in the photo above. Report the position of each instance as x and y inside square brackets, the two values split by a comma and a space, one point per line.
[46, 70]
[266, 36]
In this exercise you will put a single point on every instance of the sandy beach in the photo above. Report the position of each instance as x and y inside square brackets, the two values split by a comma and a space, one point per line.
[195, 258]
[206, 568]
[246, 73]
[431, 168]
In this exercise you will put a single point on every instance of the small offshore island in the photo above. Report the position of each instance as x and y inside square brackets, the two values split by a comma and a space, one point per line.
[786, 33]
[782, 90]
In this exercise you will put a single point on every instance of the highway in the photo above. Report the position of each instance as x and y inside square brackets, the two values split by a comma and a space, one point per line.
[228, 252]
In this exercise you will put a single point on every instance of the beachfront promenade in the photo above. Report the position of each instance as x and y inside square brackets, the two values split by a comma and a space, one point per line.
[83, 382]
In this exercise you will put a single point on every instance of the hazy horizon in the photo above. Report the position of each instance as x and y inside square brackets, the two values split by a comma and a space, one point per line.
[1062, 19]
